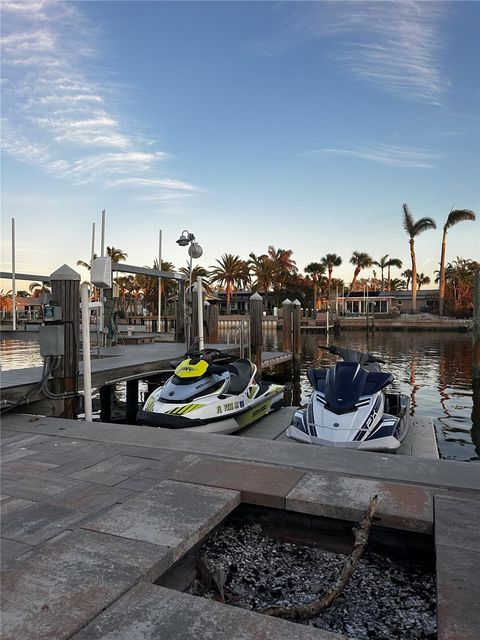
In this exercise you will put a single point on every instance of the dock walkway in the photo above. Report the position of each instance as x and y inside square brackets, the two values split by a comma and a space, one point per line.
[95, 513]
[120, 362]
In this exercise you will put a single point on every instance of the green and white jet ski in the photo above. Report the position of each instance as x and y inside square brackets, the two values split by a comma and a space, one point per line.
[209, 396]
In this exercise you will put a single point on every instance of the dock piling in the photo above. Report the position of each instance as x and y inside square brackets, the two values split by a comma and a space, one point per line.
[65, 284]
[256, 333]
[132, 401]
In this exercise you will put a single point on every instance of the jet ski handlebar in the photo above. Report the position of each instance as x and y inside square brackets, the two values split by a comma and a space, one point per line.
[351, 355]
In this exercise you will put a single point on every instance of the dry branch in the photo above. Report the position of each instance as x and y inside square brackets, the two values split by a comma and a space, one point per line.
[319, 605]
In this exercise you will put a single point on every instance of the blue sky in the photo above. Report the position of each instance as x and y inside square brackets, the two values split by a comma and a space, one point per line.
[302, 125]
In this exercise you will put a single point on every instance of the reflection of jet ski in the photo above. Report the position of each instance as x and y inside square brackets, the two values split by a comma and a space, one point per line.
[210, 393]
[349, 406]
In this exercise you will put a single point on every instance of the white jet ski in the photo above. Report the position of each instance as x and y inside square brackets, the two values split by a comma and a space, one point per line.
[207, 394]
[349, 406]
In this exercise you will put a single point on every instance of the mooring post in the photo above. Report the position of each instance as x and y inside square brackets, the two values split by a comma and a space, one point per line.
[296, 338]
[256, 333]
[65, 283]
[287, 325]
[194, 316]
[106, 403]
[212, 322]
[132, 401]
[180, 313]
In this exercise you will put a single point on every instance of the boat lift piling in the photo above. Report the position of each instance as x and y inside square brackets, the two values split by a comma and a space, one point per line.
[256, 333]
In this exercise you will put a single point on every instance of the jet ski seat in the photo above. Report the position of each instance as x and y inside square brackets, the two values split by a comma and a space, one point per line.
[240, 373]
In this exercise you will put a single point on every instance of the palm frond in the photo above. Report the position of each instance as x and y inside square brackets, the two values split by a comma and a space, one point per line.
[423, 224]
[408, 221]
[459, 215]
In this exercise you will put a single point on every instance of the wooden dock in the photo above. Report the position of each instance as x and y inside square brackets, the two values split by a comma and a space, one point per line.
[122, 362]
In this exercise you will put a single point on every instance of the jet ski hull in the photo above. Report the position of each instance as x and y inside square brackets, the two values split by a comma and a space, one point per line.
[385, 433]
[225, 415]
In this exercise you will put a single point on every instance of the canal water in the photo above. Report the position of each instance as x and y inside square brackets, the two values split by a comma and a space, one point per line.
[433, 368]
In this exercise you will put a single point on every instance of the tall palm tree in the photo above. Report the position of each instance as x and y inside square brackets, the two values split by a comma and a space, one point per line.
[422, 279]
[230, 271]
[330, 261]
[316, 270]
[361, 261]
[454, 217]
[382, 264]
[393, 262]
[414, 229]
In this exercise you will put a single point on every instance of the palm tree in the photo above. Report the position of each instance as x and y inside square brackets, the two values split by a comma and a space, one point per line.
[397, 285]
[330, 261]
[422, 279]
[414, 229]
[282, 259]
[230, 271]
[393, 262]
[38, 288]
[407, 274]
[316, 270]
[454, 217]
[264, 270]
[383, 264]
[116, 255]
[361, 261]
[197, 270]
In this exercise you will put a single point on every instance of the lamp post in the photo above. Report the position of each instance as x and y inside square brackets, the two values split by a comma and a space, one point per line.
[194, 251]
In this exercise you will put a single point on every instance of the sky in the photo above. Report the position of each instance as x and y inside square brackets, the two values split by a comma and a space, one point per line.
[304, 126]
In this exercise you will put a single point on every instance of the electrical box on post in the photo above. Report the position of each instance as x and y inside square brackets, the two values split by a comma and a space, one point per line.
[52, 340]
[102, 273]
[52, 313]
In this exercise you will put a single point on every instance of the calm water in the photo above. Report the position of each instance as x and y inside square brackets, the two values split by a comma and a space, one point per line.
[433, 368]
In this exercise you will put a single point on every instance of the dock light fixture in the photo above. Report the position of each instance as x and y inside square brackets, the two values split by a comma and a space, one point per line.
[194, 251]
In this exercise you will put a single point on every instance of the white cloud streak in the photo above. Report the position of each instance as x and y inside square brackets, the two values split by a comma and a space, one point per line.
[394, 46]
[59, 119]
[391, 155]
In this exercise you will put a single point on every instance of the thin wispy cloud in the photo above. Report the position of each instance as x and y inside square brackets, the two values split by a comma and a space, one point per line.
[391, 155]
[395, 46]
[58, 117]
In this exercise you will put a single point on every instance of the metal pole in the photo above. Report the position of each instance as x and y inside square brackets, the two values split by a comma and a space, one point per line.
[160, 281]
[102, 253]
[188, 306]
[87, 367]
[92, 253]
[201, 343]
[14, 285]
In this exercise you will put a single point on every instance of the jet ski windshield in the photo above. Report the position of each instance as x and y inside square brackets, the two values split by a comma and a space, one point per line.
[347, 382]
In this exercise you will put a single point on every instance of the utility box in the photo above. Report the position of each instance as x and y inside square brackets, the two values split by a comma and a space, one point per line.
[52, 340]
[52, 313]
[102, 273]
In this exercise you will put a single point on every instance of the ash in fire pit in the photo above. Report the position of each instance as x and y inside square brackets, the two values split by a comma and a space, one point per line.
[385, 598]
